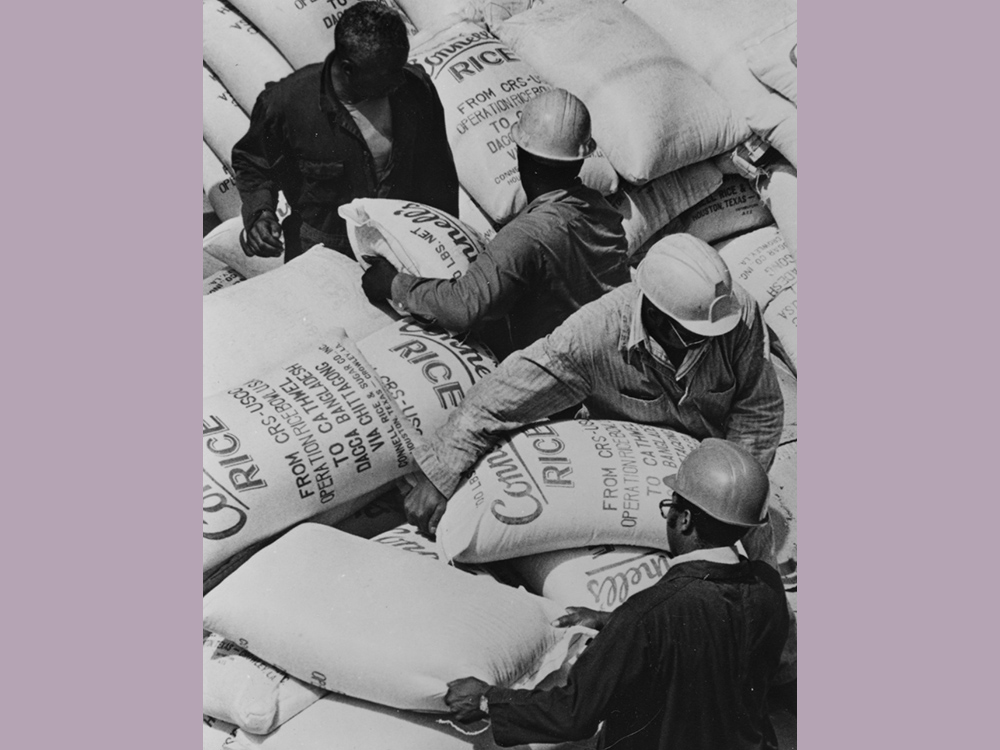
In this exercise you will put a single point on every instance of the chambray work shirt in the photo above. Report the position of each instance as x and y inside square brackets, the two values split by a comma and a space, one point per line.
[565, 249]
[303, 141]
[683, 665]
[603, 358]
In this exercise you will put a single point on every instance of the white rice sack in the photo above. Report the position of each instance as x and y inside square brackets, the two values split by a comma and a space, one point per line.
[314, 434]
[223, 122]
[772, 57]
[783, 507]
[780, 195]
[239, 688]
[263, 322]
[782, 315]
[238, 54]
[211, 266]
[760, 262]
[483, 86]
[788, 384]
[600, 578]
[646, 209]
[709, 38]
[221, 279]
[403, 625]
[302, 30]
[216, 734]
[416, 238]
[472, 215]
[430, 15]
[223, 243]
[426, 370]
[220, 189]
[494, 12]
[735, 208]
[775, 119]
[562, 485]
[651, 112]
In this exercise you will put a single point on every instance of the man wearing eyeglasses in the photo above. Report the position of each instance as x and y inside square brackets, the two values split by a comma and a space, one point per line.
[362, 124]
[682, 347]
[683, 664]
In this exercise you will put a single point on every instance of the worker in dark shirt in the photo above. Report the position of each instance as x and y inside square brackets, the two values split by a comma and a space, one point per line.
[566, 248]
[363, 124]
[683, 665]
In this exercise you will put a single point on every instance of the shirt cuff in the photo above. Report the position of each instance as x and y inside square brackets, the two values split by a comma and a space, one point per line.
[428, 459]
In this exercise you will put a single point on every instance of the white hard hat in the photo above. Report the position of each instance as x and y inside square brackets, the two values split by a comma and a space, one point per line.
[688, 280]
[555, 125]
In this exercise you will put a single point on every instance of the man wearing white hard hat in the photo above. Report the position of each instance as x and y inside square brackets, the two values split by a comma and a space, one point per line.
[683, 347]
[565, 249]
[683, 664]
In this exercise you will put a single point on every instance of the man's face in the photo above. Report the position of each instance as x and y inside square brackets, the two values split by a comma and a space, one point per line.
[373, 80]
[669, 511]
[667, 332]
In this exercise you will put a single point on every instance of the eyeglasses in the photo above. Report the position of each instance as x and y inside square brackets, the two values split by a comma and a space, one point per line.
[666, 505]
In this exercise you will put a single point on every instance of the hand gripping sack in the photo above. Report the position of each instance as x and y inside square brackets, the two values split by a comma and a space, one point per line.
[426, 370]
[415, 238]
[223, 122]
[651, 113]
[221, 279]
[560, 485]
[483, 86]
[600, 578]
[242, 58]
[240, 689]
[262, 322]
[647, 208]
[760, 262]
[317, 433]
[337, 722]
[377, 623]
[223, 244]
[782, 315]
[734, 209]
[219, 186]
[302, 30]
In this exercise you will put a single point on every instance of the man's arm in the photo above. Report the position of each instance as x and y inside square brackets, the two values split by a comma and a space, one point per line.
[757, 412]
[502, 275]
[258, 159]
[613, 663]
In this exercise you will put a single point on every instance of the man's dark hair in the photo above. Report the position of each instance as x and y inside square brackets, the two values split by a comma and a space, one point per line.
[548, 170]
[370, 31]
[711, 531]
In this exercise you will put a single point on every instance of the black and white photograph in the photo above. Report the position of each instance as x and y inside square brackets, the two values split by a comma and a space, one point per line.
[500, 371]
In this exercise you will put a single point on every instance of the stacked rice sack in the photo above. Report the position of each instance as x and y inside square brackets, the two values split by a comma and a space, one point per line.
[315, 398]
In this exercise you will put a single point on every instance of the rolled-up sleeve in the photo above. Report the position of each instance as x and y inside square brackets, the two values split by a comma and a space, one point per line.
[258, 159]
[757, 412]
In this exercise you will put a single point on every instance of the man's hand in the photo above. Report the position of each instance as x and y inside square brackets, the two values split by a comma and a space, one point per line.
[264, 237]
[377, 280]
[424, 506]
[463, 698]
[588, 618]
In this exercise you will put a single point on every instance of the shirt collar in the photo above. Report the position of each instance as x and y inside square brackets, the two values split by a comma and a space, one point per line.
[721, 555]
[639, 339]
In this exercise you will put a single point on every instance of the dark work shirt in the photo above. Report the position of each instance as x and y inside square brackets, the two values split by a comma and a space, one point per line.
[683, 665]
[303, 141]
[565, 249]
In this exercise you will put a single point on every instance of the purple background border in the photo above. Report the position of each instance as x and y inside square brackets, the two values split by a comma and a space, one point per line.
[102, 124]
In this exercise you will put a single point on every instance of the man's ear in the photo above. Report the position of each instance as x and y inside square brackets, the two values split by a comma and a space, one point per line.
[684, 522]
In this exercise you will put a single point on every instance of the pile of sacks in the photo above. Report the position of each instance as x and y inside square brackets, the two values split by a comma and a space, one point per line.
[314, 399]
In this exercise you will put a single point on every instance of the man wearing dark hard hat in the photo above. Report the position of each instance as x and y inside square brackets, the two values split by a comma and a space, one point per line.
[683, 665]
[683, 347]
[565, 249]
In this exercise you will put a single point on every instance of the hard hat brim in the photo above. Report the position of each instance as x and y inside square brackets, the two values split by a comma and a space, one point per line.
[701, 327]
[672, 482]
[518, 137]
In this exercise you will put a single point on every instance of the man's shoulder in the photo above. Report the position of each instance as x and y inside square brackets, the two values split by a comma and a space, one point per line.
[417, 82]
[292, 87]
